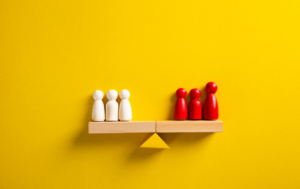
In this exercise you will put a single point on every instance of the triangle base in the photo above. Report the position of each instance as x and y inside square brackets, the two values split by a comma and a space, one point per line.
[155, 142]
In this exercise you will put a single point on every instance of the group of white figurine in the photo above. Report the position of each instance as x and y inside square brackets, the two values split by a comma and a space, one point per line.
[112, 113]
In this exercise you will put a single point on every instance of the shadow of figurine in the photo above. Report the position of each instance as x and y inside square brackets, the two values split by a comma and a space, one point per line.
[172, 108]
[203, 97]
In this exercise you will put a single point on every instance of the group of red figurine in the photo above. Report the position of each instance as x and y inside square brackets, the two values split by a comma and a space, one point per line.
[210, 110]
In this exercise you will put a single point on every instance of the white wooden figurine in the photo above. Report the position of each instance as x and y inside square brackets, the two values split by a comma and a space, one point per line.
[98, 107]
[112, 106]
[125, 112]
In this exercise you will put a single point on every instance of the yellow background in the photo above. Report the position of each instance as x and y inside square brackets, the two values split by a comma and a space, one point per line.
[54, 54]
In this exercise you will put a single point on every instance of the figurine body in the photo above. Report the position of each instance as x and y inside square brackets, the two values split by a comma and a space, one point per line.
[125, 113]
[112, 106]
[98, 107]
[181, 111]
[211, 110]
[195, 107]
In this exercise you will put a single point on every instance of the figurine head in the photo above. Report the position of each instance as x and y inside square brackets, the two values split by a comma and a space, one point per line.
[112, 95]
[195, 93]
[181, 93]
[211, 87]
[124, 94]
[98, 95]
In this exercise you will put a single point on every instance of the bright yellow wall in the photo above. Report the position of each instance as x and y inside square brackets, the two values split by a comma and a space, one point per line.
[54, 54]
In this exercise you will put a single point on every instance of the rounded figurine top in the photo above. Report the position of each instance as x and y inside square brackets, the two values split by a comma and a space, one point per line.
[98, 95]
[195, 93]
[211, 87]
[124, 94]
[181, 93]
[112, 95]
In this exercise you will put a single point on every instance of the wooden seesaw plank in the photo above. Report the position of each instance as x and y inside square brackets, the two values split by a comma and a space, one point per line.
[122, 127]
[189, 126]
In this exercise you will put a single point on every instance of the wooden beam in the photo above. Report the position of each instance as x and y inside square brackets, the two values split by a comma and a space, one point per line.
[122, 127]
[188, 126]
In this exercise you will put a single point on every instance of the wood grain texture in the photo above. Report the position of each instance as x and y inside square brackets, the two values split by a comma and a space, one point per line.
[188, 126]
[122, 127]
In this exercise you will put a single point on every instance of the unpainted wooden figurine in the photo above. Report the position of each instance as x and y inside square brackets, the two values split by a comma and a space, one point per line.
[195, 107]
[125, 112]
[98, 107]
[211, 110]
[112, 106]
[181, 111]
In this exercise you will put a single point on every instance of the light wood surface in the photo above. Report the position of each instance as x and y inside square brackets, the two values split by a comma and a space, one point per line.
[122, 127]
[188, 126]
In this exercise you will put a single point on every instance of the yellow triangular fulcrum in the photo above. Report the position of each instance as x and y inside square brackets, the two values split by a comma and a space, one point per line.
[154, 142]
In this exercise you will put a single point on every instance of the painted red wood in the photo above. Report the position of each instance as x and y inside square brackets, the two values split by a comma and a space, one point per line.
[195, 107]
[211, 110]
[181, 111]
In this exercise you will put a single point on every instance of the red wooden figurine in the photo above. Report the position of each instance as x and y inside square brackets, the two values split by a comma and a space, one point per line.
[181, 112]
[195, 109]
[211, 110]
